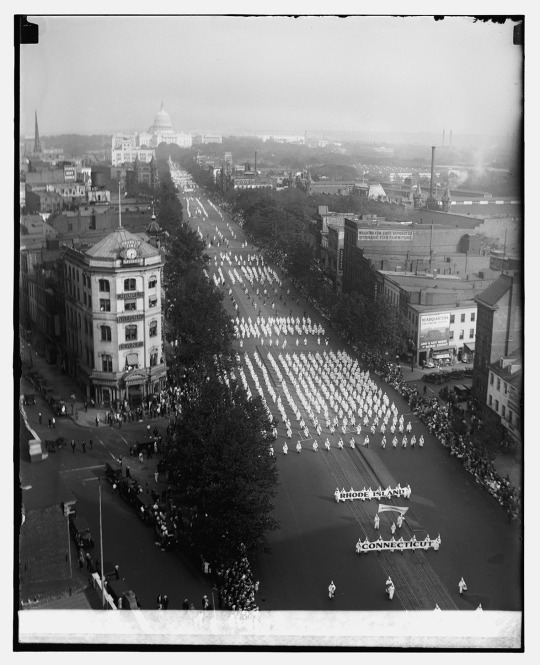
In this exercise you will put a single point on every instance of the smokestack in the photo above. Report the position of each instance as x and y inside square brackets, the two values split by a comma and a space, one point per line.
[450, 144]
[432, 186]
[443, 132]
[255, 163]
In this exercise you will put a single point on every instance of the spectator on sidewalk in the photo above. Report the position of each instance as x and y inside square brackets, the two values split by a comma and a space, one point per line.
[72, 445]
[39, 416]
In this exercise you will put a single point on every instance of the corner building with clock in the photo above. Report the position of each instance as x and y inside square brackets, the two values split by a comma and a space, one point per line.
[114, 318]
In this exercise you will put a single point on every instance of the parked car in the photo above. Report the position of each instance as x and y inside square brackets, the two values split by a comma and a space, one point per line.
[463, 393]
[113, 472]
[429, 364]
[80, 530]
[29, 398]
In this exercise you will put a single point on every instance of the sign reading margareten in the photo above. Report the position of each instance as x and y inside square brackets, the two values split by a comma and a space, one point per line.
[385, 235]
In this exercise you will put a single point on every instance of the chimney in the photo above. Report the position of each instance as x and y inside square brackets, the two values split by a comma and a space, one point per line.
[432, 187]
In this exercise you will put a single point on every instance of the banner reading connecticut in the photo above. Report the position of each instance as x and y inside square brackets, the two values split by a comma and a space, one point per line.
[434, 331]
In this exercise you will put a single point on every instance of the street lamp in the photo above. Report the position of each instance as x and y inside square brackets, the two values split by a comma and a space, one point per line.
[68, 513]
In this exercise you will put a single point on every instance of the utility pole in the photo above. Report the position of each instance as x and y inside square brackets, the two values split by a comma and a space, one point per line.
[101, 549]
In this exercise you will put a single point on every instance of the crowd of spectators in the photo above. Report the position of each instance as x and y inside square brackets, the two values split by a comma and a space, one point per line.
[236, 587]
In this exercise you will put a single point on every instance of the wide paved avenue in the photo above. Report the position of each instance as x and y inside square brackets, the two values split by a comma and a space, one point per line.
[316, 541]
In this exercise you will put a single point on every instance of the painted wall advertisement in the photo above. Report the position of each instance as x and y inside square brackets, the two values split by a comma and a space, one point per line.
[340, 264]
[434, 331]
[385, 235]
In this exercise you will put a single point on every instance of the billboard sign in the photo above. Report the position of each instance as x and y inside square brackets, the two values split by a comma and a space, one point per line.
[340, 264]
[385, 235]
[70, 174]
[434, 331]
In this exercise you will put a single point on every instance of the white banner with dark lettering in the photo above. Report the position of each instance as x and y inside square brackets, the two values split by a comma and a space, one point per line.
[369, 494]
[400, 545]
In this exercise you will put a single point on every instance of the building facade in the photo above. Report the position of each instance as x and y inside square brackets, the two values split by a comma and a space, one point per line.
[114, 318]
[499, 328]
[504, 394]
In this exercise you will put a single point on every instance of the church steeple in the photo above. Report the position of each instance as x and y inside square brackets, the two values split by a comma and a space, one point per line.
[37, 142]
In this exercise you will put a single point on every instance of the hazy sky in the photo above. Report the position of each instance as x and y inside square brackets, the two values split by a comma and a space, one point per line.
[104, 74]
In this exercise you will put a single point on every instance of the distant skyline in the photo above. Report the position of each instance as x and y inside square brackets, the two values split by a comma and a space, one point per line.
[368, 75]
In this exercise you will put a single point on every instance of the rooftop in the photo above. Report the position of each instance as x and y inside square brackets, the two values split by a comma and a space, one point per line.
[495, 291]
[111, 246]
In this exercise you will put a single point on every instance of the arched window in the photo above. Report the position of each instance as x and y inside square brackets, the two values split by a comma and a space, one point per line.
[131, 333]
[153, 328]
[130, 284]
[152, 282]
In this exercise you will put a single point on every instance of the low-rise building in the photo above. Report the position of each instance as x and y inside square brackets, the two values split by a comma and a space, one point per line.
[505, 393]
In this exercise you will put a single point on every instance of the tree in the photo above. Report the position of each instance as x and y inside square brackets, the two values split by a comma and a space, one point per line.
[219, 463]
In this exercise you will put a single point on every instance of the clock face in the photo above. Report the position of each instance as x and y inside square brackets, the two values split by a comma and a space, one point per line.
[131, 253]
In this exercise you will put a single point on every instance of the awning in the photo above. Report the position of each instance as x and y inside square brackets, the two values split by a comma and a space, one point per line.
[469, 346]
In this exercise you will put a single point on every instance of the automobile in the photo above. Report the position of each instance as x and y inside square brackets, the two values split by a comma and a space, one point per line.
[123, 596]
[429, 364]
[143, 445]
[462, 392]
[52, 446]
[113, 472]
[58, 405]
[80, 530]
[144, 507]
[29, 398]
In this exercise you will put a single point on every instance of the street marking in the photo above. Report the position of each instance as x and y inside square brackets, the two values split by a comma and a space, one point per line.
[84, 468]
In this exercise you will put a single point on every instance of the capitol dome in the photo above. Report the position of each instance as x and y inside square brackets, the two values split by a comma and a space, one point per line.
[162, 122]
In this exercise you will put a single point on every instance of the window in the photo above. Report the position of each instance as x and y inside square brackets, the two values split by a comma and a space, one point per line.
[451, 334]
[130, 305]
[510, 414]
[471, 333]
[463, 318]
[153, 359]
[89, 301]
[491, 400]
[452, 318]
[104, 285]
[152, 301]
[84, 297]
[106, 334]
[461, 334]
[131, 333]
[491, 377]
[132, 361]
[106, 363]
[152, 282]
[153, 328]
[498, 383]
[473, 316]
[505, 388]
[130, 284]
[104, 304]
[503, 411]
[497, 405]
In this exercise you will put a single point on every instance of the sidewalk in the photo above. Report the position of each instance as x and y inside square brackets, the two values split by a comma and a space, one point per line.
[65, 386]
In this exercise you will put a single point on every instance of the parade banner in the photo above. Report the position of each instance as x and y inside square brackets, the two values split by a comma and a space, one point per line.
[368, 494]
[364, 546]
[383, 507]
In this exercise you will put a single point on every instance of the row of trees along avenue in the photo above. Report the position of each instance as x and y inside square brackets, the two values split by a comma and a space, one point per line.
[217, 449]
[279, 222]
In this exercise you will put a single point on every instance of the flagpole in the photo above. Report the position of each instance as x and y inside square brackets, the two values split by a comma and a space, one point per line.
[101, 549]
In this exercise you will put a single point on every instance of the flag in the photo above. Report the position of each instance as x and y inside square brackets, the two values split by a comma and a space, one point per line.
[383, 507]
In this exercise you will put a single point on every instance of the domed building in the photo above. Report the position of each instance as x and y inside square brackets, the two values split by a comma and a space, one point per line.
[162, 122]
[114, 322]
[162, 131]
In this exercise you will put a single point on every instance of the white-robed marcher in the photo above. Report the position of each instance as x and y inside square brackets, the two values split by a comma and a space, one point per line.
[399, 520]
[331, 589]
[298, 447]
[376, 522]
[285, 448]
[315, 446]
[390, 589]
[393, 528]
[462, 586]
[421, 441]
[327, 444]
